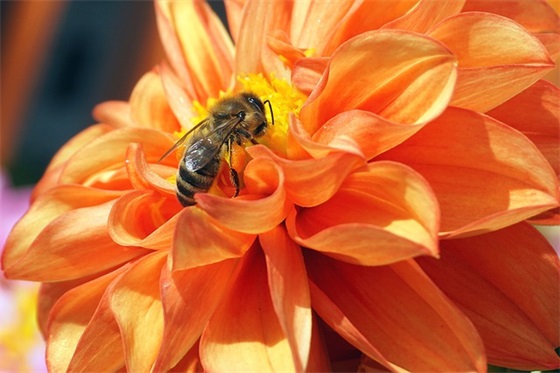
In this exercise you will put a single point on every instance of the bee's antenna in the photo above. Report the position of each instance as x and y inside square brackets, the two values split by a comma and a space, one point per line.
[271, 112]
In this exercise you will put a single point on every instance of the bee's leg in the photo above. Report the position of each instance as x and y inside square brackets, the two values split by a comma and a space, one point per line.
[233, 175]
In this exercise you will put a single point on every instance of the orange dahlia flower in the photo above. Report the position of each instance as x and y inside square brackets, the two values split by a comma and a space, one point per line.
[382, 221]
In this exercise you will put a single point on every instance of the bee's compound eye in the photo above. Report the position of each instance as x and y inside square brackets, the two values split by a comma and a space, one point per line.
[256, 103]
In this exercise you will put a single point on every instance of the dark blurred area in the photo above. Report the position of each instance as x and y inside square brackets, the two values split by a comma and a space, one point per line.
[58, 60]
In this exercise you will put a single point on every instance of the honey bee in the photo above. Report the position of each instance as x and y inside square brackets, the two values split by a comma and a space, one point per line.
[236, 119]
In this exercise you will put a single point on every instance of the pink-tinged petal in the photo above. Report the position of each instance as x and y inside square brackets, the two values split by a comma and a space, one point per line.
[115, 113]
[467, 158]
[497, 58]
[426, 14]
[395, 314]
[143, 219]
[64, 248]
[189, 298]
[507, 283]
[69, 318]
[244, 333]
[134, 300]
[287, 280]
[403, 77]
[313, 181]
[200, 240]
[536, 113]
[234, 13]
[48, 208]
[149, 107]
[197, 45]
[307, 72]
[314, 22]
[264, 207]
[366, 16]
[260, 19]
[151, 177]
[382, 215]
[107, 153]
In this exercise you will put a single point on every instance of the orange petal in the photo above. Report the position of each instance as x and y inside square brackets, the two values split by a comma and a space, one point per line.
[149, 106]
[401, 76]
[144, 176]
[395, 314]
[143, 219]
[114, 113]
[177, 96]
[313, 181]
[189, 299]
[134, 300]
[497, 58]
[261, 210]
[468, 158]
[425, 14]
[379, 216]
[366, 16]
[255, 340]
[69, 318]
[234, 13]
[287, 280]
[199, 50]
[280, 44]
[507, 283]
[307, 72]
[536, 113]
[107, 153]
[260, 18]
[62, 245]
[200, 240]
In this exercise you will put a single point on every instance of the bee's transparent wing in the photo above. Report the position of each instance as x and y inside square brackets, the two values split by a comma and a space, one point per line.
[183, 138]
[204, 147]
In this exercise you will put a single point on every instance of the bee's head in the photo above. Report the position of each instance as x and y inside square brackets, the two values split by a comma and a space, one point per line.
[258, 106]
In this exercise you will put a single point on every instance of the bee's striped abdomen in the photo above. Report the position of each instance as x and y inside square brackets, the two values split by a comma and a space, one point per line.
[199, 181]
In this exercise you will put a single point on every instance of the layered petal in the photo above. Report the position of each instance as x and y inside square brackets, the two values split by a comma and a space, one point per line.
[141, 326]
[468, 158]
[189, 297]
[507, 283]
[148, 176]
[69, 319]
[114, 113]
[264, 207]
[425, 14]
[379, 216]
[497, 58]
[386, 310]
[200, 240]
[287, 280]
[255, 341]
[197, 46]
[401, 76]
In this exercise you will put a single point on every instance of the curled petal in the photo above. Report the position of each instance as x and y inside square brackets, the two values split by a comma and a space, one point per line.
[401, 76]
[189, 297]
[307, 72]
[514, 306]
[255, 340]
[460, 152]
[280, 44]
[108, 153]
[497, 58]
[204, 70]
[114, 113]
[287, 280]
[313, 181]
[347, 297]
[536, 113]
[200, 240]
[379, 216]
[262, 209]
[140, 325]
[144, 176]
[143, 219]
[149, 106]
[68, 320]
